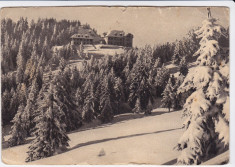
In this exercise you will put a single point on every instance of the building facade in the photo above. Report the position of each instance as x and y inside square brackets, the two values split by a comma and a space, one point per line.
[116, 37]
[85, 36]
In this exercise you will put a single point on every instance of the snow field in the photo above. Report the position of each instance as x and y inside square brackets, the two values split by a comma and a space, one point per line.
[147, 140]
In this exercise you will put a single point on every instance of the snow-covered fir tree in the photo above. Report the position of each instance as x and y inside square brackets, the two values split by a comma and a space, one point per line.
[62, 64]
[88, 112]
[183, 67]
[149, 108]
[180, 98]
[27, 116]
[18, 131]
[22, 93]
[50, 128]
[169, 95]
[137, 108]
[161, 79]
[75, 78]
[118, 90]
[5, 101]
[64, 98]
[206, 109]
[31, 66]
[140, 86]
[105, 102]
[79, 98]
[14, 104]
[20, 62]
[157, 63]
[176, 56]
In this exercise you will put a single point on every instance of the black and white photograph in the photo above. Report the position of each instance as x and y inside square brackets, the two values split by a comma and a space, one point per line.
[114, 85]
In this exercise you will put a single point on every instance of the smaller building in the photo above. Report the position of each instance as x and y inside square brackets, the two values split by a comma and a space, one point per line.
[128, 41]
[85, 36]
[116, 37]
[77, 39]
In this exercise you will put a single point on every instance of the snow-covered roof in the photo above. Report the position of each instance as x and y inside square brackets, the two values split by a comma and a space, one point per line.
[116, 33]
[85, 33]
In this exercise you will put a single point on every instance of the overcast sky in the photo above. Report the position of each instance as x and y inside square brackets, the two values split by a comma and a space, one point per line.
[149, 25]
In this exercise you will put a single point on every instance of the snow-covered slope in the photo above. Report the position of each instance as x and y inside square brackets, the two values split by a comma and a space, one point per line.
[146, 140]
[103, 50]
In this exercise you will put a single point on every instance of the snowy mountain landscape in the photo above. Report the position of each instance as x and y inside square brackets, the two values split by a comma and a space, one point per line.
[86, 145]
[71, 96]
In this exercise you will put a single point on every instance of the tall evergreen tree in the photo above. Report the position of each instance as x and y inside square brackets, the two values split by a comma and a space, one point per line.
[22, 93]
[27, 116]
[18, 132]
[105, 102]
[64, 99]
[62, 64]
[140, 85]
[118, 90]
[176, 56]
[183, 68]
[31, 67]
[50, 128]
[149, 108]
[169, 96]
[204, 108]
[161, 80]
[76, 80]
[14, 104]
[180, 98]
[137, 108]
[6, 100]
[20, 63]
[79, 98]
[88, 112]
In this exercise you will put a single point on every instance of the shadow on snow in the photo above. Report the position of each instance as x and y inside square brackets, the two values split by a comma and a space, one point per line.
[116, 138]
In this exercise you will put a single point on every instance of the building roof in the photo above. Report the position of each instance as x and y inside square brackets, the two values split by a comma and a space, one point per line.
[116, 33]
[129, 35]
[85, 33]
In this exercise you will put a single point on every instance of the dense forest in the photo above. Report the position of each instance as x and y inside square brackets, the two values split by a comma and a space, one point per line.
[46, 103]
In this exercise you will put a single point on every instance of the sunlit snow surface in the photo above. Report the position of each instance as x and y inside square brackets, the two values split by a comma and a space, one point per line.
[144, 140]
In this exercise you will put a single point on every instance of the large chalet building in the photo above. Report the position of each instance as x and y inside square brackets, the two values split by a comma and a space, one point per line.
[114, 37]
[85, 36]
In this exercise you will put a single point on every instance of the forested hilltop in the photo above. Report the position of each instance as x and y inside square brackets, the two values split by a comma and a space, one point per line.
[45, 103]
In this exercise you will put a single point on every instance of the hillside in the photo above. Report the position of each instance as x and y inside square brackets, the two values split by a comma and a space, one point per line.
[149, 139]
